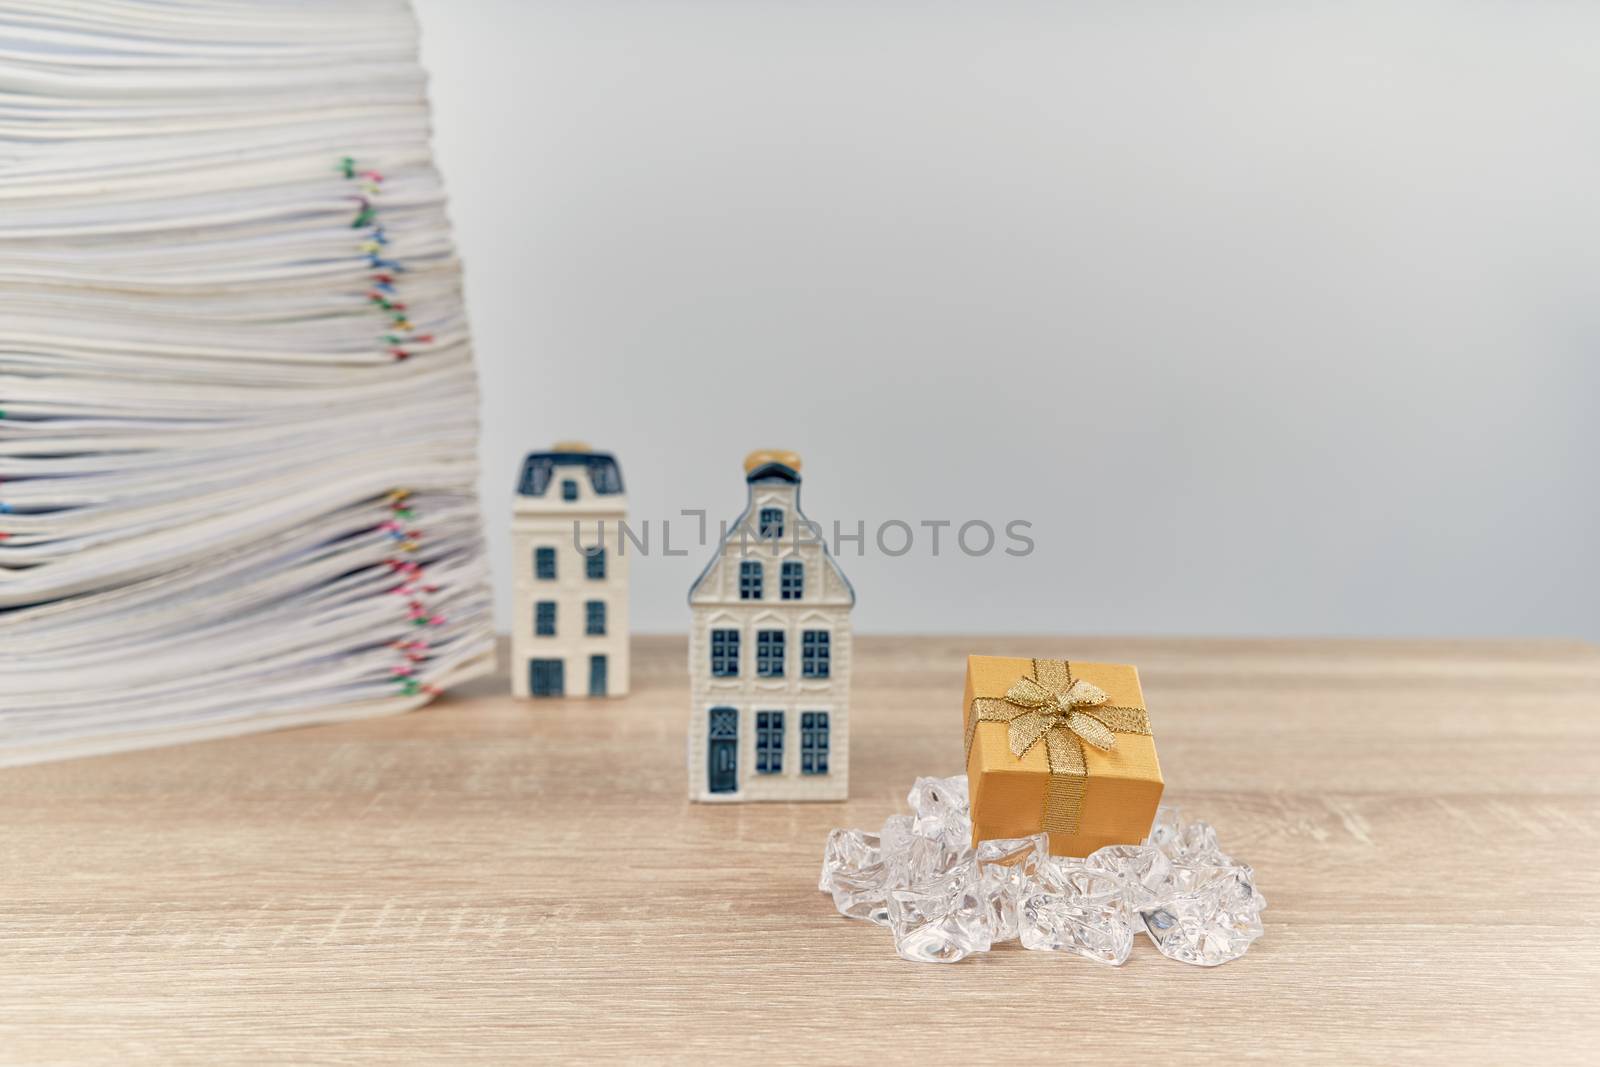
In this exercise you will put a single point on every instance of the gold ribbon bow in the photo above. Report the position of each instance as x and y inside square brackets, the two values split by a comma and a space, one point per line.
[1065, 713]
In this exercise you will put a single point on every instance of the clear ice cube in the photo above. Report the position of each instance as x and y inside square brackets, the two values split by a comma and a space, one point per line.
[896, 833]
[1166, 829]
[1076, 909]
[932, 796]
[1185, 842]
[941, 920]
[849, 849]
[911, 858]
[941, 810]
[1144, 870]
[1210, 915]
[1008, 869]
[854, 872]
[1199, 845]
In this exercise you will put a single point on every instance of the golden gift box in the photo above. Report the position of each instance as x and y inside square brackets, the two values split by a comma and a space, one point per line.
[1060, 746]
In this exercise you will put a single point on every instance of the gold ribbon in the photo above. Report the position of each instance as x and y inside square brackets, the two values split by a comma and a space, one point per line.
[1066, 714]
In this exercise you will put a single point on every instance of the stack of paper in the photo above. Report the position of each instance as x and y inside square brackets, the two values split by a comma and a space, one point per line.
[239, 429]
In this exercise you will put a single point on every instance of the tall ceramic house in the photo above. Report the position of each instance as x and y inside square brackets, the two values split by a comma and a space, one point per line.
[569, 633]
[769, 653]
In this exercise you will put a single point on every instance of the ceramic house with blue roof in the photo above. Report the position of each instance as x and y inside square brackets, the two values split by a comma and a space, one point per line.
[769, 653]
[569, 628]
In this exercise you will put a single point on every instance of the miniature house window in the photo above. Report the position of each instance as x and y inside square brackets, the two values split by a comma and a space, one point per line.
[813, 742]
[750, 580]
[814, 654]
[569, 489]
[544, 563]
[547, 677]
[594, 561]
[793, 581]
[772, 523]
[769, 742]
[769, 653]
[725, 653]
[544, 618]
[722, 750]
[594, 618]
[604, 477]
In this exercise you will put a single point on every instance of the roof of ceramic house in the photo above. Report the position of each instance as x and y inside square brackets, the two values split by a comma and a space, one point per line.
[538, 470]
[770, 465]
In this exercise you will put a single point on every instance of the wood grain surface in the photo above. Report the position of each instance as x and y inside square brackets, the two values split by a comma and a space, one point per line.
[491, 880]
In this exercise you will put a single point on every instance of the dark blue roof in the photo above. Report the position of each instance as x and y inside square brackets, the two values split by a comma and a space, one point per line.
[605, 477]
[773, 472]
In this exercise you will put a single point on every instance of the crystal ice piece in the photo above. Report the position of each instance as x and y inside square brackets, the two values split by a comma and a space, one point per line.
[941, 810]
[896, 834]
[1144, 871]
[1209, 916]
[911, 858]
[1198, 845]
[854, 872]
[1186, 842]
[930, 796]
[1008, 871]
[942, 920]
[1166, 829]
[849, 850]
[1076, 909]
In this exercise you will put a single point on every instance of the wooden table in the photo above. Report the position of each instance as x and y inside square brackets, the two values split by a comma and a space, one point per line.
[488, 880]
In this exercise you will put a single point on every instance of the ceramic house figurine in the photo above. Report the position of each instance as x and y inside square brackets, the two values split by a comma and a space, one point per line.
[569, 633]
[769, 653]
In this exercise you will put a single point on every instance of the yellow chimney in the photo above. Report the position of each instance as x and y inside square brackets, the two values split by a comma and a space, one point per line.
[762, 456]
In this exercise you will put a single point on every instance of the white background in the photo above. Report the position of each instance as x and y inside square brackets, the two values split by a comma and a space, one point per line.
[1272, 319]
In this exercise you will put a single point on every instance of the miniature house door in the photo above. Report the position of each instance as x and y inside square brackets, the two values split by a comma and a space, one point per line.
[547, 677]
[723, 750]
[597, 676]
